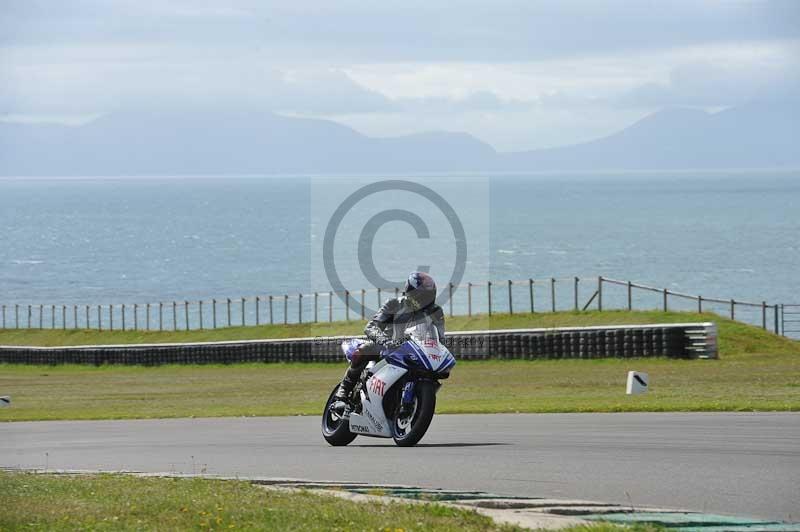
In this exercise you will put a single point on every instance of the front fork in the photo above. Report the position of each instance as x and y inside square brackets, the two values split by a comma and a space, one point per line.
[408, 394]
[407, 399]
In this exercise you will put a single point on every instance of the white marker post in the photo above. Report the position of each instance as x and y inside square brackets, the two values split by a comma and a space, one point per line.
[637, 382]
[5, 400]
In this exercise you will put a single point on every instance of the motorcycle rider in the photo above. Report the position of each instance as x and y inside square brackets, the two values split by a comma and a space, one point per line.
[386, 330]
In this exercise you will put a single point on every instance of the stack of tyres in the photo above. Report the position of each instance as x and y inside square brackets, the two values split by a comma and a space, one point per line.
[638, 342]
[584, 346]
[608, 340]
[526, 347]
[647, 346]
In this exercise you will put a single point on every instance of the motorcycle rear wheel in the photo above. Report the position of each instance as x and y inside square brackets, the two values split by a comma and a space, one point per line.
[407, 431]
[335, 428]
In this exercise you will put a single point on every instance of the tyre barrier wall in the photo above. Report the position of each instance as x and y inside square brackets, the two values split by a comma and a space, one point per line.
[693, 340]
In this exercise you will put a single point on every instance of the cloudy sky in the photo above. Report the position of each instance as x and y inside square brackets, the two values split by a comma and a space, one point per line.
[517, 74]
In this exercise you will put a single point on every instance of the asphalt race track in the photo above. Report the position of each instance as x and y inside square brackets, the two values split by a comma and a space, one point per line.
[731, 463]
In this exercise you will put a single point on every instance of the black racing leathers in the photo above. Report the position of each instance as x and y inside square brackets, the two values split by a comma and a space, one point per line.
[396, 315]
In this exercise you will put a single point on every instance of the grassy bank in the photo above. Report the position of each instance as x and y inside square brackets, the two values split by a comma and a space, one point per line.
[757, 371]
[57, 337]
[119, 502]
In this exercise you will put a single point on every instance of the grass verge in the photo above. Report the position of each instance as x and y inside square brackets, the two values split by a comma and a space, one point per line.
[121, 502]
[58, 337]
[757, 371]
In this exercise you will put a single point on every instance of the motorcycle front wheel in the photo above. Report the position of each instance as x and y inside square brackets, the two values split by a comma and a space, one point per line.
[408, 429]
[335, 428]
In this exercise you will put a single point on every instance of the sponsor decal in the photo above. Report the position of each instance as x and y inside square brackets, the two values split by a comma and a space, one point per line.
[435, 356]
[374, 421]
[359, 428]
[430, 342]
[377, 386]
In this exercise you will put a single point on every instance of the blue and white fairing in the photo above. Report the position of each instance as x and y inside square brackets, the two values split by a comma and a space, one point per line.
[421, 352]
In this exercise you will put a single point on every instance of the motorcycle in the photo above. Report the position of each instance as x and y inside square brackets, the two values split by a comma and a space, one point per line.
[395, 397]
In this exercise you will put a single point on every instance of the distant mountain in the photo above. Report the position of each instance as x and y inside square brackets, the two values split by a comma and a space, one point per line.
[188, 143]
[751, 136]
[224, 143]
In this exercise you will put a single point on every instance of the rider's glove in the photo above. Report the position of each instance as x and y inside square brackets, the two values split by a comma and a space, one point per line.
[392, 344]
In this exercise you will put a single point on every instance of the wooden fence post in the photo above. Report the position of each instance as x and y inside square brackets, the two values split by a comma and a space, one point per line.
[510, 300]
[200, 306]
[147, 317]
[299, 308]
[699, 304]
[489, 295]
[764, 315]
[123, 316]
[347, 304]
[258, 310]
[87, 316]
[666, 293]
[469, 299]
[733, 312]
[450, 300]
[316, 306]
[600, 292]
[243, 312]
[63, 317]
[111, 317]
[174, 315]
[214, 313]
[271, 321]
[553, 293]
[530, 290]
[99, 319]
[75, 316]
[330, 307]
[285, 309]
[52, 316]
[41, 313]
[575, 284]
[363, 303]
[229, 311]
[630, 295]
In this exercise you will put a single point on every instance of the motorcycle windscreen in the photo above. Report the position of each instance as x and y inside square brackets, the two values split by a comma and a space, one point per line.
[431, 349]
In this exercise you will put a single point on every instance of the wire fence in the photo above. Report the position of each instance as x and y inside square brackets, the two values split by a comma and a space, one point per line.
[790, 314]
[487, 297]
